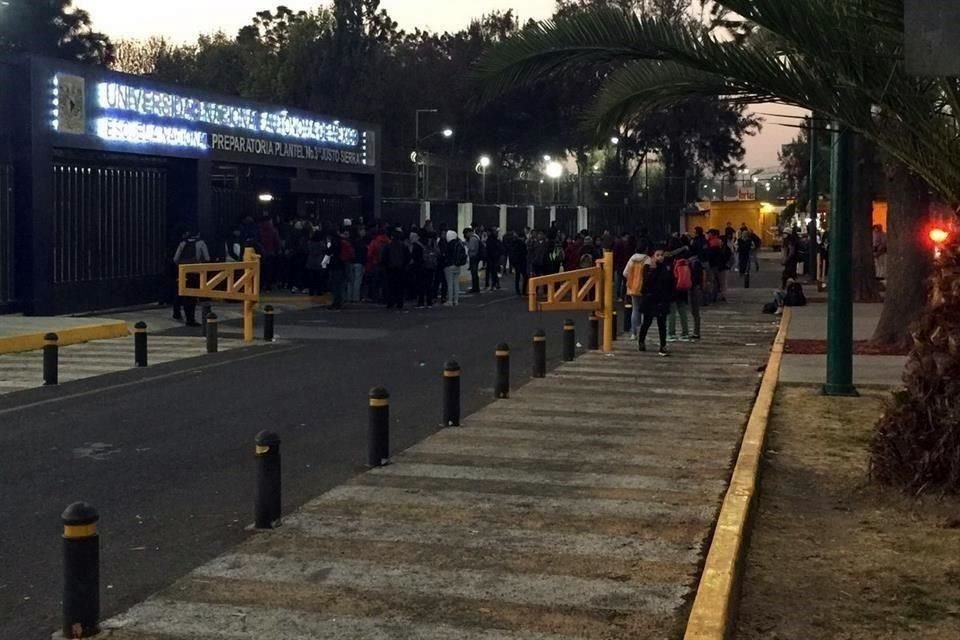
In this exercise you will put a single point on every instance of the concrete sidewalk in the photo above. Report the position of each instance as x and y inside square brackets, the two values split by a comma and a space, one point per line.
[810, 323]
[578, 508]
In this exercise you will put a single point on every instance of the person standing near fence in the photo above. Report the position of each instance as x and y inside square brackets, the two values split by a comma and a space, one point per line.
[658, 294]
[396, 260]
[455, 258]
[633, 276]
[473, 256]
[518, 258]
[191, 250]
[493, 253]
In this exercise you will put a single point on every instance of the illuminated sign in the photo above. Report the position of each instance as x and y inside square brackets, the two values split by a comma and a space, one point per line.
[124, 114]
[133, 132]
[115, 97]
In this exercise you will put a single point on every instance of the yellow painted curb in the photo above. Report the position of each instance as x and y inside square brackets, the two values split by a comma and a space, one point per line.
[74, 335]
[714, 608]
[305, 301]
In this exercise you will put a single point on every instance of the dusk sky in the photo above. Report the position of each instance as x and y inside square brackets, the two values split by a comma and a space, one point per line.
[183, 20]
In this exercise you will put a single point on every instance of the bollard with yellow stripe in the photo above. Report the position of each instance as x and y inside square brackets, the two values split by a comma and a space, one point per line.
[51, 358]
[502, 388]
[267, 500]
[140, 344]
[451, 393]
[540, 354]
[569, 341]
[81, 571]
[378, 430]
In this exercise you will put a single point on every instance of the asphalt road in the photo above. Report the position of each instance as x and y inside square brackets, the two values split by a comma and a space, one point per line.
[166, 454]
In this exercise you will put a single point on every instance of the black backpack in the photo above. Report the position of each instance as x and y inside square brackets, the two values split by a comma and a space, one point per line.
[189, 253]
[459, 253]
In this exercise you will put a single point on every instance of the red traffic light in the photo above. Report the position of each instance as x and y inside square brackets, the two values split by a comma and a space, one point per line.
[939, 236]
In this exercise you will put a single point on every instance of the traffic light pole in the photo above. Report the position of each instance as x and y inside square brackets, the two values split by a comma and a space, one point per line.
[814, 199]
[840, 288]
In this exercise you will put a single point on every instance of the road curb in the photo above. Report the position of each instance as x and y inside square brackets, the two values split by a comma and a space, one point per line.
[73, 335]
[714, 609]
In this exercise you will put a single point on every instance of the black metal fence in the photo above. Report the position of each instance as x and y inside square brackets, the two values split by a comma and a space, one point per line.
[109, 222]
[8, 290]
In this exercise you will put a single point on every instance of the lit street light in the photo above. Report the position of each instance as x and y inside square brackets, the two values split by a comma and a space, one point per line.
[614, 140]
[555, 171]
[447, 133]
[484, 163]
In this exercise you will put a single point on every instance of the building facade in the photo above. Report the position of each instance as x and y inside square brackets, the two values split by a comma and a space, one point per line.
[101, 172]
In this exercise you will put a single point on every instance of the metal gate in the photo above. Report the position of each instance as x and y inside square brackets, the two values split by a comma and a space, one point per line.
[8, 290]
[109, 222]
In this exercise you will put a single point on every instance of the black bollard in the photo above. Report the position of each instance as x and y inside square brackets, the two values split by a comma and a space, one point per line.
[268, 323]
[628, 317]
[616, 325]
[378, 431]
[502, 389]
[205, 311]
[51, 356]
[540, 354]
[81, 571]
[451, 394]
[267, 509]
[140, 344]
[594, 333]
[213, 333]
[569, 341]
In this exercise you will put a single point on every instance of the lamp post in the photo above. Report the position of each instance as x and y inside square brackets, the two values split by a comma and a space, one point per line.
[416, 146]
[554, 170]
[483, 164]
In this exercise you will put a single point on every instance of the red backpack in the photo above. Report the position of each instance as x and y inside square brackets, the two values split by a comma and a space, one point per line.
[346, 252]
[682, 274]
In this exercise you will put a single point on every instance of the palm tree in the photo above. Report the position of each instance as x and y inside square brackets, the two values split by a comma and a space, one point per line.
[841, 59]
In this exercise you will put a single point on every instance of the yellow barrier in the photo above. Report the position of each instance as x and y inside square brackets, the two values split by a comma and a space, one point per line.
[581, 290]
[226, 281]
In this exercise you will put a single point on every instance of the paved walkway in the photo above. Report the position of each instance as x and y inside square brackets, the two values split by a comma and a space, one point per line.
[579, 508]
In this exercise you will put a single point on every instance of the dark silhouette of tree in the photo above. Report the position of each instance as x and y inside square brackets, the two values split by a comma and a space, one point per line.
[52, 28]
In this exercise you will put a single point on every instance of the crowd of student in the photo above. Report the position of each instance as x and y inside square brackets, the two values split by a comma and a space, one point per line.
[425, 266]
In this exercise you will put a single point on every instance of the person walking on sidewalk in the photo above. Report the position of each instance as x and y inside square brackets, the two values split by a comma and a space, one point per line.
[633, 276]
[191, 250]
[658, 294]
[683, 283]
[473, 255]
[455, 258]
[396, 259]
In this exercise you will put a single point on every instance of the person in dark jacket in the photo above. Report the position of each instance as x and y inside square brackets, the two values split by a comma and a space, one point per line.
[395, 259]
[518, 258]
[494, 252]
[336, 269]
[658, 294]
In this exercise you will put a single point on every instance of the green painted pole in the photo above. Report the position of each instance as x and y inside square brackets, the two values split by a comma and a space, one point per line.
[812, 207]
[840, 287]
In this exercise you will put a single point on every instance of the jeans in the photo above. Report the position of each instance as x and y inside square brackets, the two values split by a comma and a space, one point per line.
[354, 281]
[679, 308]
[453, 284]
[696, 302]
[474, 275]
[520, 280]
[337, 286]
[637, 317]
[660, 313]
[425, 291]
[394, 292]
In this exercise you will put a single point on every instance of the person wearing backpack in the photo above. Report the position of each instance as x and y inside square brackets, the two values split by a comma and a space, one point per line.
[658, 294]
[455, 259]
[396, 259]
[191, 250]
[683, 284]
[633, 276]
[474, 247]
[426, 258]
[492, 254]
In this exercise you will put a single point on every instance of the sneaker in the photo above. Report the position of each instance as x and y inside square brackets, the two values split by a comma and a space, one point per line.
[294, 290]
[633, 336]
[673, 339]
[685, 339]
[695, 338]
[419, 306]
[641, 347]
[663, 353]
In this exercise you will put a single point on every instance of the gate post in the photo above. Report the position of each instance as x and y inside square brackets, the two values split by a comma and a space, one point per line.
[609, 300]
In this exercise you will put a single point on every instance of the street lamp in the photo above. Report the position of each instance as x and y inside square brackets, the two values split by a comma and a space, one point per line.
[554, 170]
[484, 163]
[417, 144]
[265, 198]
[614, 140]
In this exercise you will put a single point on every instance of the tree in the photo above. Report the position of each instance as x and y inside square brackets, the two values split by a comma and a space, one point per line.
[139, 57]
[841, 59]
[53, 28]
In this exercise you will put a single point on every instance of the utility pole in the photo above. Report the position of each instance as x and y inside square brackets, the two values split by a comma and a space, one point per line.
[840, 288]
[814, 199]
